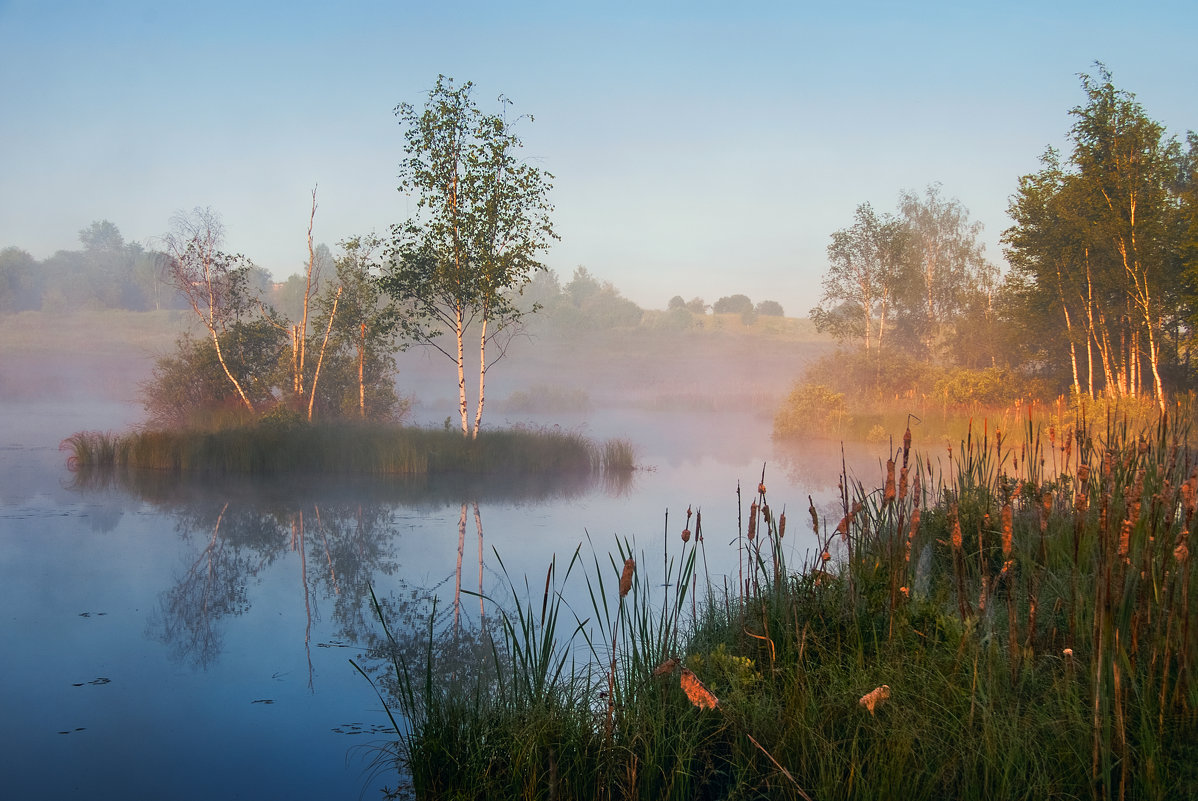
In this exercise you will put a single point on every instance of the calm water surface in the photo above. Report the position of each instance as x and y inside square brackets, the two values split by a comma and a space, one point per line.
[168, 639]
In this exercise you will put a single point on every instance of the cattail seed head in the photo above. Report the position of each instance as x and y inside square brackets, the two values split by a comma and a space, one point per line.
[699, 695]
[782, 525]
[686, 535]
[888, 494]
[1006, 531]
[753, 521]
[626, 576]
[872, 699]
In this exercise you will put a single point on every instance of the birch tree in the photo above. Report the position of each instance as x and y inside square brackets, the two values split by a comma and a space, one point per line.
[482, 219]
[214, 282]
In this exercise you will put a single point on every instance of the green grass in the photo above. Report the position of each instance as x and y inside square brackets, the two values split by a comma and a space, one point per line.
[275, 445]
[1051, 658]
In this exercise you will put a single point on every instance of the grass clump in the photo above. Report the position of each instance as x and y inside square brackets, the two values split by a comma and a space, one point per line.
[1015, 620]
[279, 444]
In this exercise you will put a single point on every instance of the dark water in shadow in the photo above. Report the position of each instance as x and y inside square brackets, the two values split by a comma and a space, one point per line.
[191, 639]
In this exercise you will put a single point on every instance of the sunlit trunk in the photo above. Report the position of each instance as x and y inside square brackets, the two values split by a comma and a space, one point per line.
[362, 374]
[461, 359]
[320, 360]
[482, 377]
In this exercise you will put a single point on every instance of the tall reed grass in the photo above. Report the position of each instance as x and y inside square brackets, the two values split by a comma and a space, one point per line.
[1011, 618]
[271, 446]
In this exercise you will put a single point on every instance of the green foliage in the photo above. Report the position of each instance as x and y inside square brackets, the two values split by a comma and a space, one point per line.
[987, 387]
[811, 410]
[1097, 250]
[769, 308]
[482, 221]
[734, 304]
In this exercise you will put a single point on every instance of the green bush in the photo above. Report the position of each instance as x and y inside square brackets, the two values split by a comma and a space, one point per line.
[811, 409]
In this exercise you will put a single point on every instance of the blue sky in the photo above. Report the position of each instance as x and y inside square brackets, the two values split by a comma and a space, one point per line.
[698, 148]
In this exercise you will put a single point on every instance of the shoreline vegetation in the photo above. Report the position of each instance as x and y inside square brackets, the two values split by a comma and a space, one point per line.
[281, 444]
[1012, 618]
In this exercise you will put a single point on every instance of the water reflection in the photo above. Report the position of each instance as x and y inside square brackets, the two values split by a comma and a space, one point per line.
[336, 538]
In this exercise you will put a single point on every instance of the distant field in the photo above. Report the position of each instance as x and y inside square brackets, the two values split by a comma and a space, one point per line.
[719, 364]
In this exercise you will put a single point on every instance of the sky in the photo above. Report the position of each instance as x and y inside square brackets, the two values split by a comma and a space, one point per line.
[698, 148]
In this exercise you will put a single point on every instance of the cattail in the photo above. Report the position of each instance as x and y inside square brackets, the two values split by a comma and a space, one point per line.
[916, 497]
[665, 667]
[761, 488]
[906, 442]
[1006, 530]
[888, 493]
[626, 576]
[1189, 496]
[842, 528]
[699, 695]
[686, 535]
[902, 488]
[782, 525]
[1181, 553]
[814, 516]
[872, 699]
[752, 522]
[1124, 539]
[958, 541]
[912, 531]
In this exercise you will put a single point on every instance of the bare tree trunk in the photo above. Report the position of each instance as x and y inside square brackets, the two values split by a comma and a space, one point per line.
[320, 360]
[482, 377]
[303, 332]
[459, 330]
[362, 374]
[220, 357]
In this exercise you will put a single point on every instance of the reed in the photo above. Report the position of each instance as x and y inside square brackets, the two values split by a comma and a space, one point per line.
[271, 446]
[1015, 620]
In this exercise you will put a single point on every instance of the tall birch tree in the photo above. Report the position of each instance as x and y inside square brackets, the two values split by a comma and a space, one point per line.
[482, 219]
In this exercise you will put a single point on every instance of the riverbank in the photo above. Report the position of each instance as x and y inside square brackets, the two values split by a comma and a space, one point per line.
[1018, 624]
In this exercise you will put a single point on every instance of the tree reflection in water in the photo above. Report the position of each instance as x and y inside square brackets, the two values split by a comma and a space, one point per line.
[344, 535]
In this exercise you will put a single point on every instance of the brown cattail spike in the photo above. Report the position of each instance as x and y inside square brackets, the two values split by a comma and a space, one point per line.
[872, 699]
[699, 695]
[1006, 531]
[888, 494]
[626, 576]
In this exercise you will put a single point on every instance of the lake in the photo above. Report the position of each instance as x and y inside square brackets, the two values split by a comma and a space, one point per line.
[191, 639]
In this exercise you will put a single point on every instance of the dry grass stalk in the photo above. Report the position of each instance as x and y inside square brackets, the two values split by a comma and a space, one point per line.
[698, 694]
[626, 576]
[874, 698]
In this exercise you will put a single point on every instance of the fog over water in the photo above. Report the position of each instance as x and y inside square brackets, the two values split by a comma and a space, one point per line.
[183, 638]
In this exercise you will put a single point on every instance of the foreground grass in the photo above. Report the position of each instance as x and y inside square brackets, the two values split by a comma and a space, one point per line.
[273, 446]
[1021, 626]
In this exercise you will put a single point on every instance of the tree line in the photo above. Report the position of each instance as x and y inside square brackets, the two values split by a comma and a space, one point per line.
[463, 272]
[1101, 296]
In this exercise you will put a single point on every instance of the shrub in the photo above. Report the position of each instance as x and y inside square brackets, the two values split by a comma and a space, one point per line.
[811, 409]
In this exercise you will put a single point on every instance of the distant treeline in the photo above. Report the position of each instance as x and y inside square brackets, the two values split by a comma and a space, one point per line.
[110, 273]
